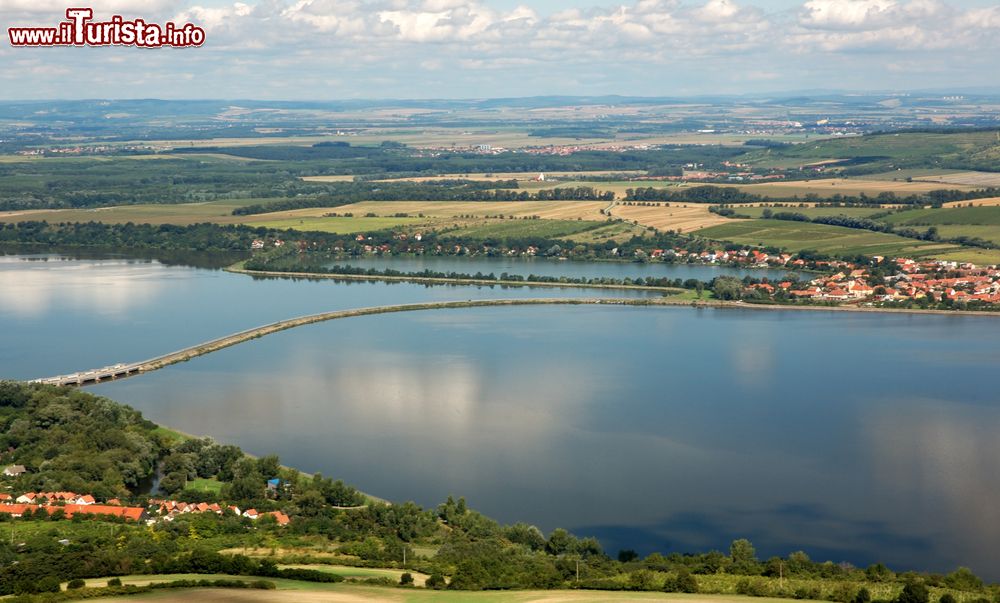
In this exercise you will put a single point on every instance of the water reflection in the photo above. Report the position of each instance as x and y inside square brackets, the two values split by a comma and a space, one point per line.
[930, 458]
[108, 289]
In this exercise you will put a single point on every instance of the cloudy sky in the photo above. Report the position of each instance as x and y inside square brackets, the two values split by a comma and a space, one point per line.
[329, 49]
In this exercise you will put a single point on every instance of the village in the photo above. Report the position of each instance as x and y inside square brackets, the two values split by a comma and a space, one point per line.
[67, 505]
[936, 281]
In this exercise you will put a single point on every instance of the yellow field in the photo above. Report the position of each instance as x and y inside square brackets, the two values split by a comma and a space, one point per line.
[663, 217]
[337, 178]
[182, 214]
[844, 186]
[667, 216]
[519, 176]
[546, 210]
[988, 201]
[823, 187]
[335, 225]
[977, 179]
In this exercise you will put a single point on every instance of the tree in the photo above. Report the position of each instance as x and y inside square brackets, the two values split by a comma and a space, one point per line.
[560, 542]
[743, 557]
[878, 572]
[173, 482]
[406, 579]
[627, 555]
[963, 579]
[268, 466]
[436, 581]
[727, 287]
[914, 592]
[522, 533]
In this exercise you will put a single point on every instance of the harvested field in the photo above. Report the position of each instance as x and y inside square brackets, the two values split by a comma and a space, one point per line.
[546, 210]
[182, 214]
[976, 179]
[827, 187]
[986, 202]
[338, 178]
[666, 216]
[488, 177]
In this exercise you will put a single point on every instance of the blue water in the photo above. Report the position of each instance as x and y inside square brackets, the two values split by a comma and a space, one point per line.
[854, 437]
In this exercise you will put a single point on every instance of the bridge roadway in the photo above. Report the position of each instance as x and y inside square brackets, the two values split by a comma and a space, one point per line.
[121, 371]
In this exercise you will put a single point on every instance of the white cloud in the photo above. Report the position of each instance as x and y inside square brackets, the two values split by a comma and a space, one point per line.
[836, 14]
[56, 9]
[709, 43]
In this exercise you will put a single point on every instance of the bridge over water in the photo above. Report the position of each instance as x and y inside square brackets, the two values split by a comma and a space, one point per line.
[121, 371]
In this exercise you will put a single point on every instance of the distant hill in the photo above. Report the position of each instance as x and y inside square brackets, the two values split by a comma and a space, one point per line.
[973, 149]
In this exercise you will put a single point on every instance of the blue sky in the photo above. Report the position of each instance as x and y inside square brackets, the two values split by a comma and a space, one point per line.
[327, 49]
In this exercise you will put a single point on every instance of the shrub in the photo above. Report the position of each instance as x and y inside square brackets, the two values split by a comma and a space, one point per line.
[963, 579]
[757, 588]
[76, 583]
[406, 579]
[843, 592]
[48, 584]
[681, 582]
[913, 592]
[115, 582]
[436, 581]
[863, 596]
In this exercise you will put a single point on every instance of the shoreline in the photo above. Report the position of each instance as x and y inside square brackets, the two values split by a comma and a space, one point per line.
[665, 300]
[237, 268]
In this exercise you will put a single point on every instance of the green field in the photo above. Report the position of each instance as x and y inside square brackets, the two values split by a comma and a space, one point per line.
[979, 222]
[964, 150]
[154, 213]
[976, 216]
[338, 225]
[205, 485]
[796, 236]
[504, 229]
[981, 257]
[987, 233]
[618, 231]
[812, 212]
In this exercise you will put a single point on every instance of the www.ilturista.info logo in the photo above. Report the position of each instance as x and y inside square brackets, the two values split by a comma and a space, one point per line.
[80, 29]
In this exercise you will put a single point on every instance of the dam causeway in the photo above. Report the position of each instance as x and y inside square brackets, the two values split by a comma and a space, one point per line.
[122, 371]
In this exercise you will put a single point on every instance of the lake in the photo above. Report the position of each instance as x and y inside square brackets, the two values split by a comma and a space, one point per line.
[854, 437]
